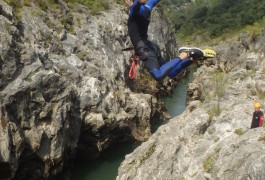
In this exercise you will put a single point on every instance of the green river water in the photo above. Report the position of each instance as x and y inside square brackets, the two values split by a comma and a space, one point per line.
[106, 167]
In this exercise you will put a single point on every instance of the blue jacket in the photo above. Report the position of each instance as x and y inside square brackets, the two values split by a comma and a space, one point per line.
[139, 19]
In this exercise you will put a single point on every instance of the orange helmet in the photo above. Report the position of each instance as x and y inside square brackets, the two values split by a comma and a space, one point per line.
[257, 105]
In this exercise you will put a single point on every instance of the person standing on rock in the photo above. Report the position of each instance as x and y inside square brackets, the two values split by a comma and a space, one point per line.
[258, 117]
[148, 51]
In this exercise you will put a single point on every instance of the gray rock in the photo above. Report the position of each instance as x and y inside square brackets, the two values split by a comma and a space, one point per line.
[64, 87]
[212, 138]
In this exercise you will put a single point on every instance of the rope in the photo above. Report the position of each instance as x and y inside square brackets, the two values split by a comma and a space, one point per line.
[132, 72]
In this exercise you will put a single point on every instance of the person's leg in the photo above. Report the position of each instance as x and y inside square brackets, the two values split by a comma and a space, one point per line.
[192, 53]
[149, 53]
[179, 67]
[161, 72]
[151, 60]
[156, 52]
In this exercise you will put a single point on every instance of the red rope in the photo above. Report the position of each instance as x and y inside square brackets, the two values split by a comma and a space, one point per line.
[132, 72]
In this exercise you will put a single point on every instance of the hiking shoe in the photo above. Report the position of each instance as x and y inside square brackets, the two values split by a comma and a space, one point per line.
[193, 53]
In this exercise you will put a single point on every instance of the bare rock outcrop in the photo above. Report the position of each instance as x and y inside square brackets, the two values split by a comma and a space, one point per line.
[212, 138]
[64, 86]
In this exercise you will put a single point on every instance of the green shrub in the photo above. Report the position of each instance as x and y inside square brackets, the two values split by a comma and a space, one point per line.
[213, 18]
[219, 82]
[214, 111]
[147, 153]
[14, 3]
[208, 164]
[95, 7]
[240, 131]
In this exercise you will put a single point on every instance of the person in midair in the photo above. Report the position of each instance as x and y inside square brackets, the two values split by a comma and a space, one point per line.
[148, 51]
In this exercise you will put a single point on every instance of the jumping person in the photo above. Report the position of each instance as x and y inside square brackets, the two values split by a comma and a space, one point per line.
[149, 52]
[257, 119]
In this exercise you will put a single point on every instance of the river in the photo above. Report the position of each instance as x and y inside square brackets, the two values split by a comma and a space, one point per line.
[106, 167]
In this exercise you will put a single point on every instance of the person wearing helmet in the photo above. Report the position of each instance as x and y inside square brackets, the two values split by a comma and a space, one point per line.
[258, 117]
[148, 51]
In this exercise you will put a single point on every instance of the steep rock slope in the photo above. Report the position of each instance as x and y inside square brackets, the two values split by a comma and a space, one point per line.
[212, 139]
[64, 86]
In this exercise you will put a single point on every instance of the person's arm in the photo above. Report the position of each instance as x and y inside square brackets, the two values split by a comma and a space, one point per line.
[252, 122]
[135, 8]
[140, 9]
[151, 4]
[261, 118]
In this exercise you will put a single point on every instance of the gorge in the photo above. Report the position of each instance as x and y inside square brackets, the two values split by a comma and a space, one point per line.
[65, 95]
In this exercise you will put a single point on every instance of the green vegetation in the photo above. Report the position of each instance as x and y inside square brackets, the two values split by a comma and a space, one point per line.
[219, 80]
[214, 111]
[14, 3]
[145, 83]
[95, 7]
[235, 146]
[208, 164]
[200, 20]
[214, 18]
[181, 177]
[218, 84]
[261, 138]
[82, 55]
[147, 153]
[248, 86]
[255, 29]
[43, 4]
[209, 161]
[240, 131]
[67, 20]
[183, 139]
[216, 139]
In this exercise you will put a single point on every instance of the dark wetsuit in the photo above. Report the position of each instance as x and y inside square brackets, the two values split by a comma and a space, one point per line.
[149, 52]
[257, 119]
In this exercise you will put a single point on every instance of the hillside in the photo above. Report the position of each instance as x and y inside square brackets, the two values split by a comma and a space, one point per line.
[212, 138]
[210, 19]
[65, 92]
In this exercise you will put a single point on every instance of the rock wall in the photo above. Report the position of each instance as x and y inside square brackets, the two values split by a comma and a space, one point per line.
[212, 138]
[64, 86]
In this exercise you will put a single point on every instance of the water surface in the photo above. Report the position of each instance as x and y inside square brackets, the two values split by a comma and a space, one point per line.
[106, 167]
[176, 103]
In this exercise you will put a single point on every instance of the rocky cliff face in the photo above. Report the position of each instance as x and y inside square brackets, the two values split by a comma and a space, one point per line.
[64, 86]
[212, 139]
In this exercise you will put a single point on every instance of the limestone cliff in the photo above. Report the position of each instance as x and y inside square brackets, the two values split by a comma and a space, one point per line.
[212, 139]
[64, 86]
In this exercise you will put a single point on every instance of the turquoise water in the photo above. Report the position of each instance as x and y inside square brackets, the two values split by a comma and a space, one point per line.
[106, 167]
[176, 103]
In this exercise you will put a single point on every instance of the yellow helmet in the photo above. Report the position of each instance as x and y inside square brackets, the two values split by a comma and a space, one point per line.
[257, 105]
